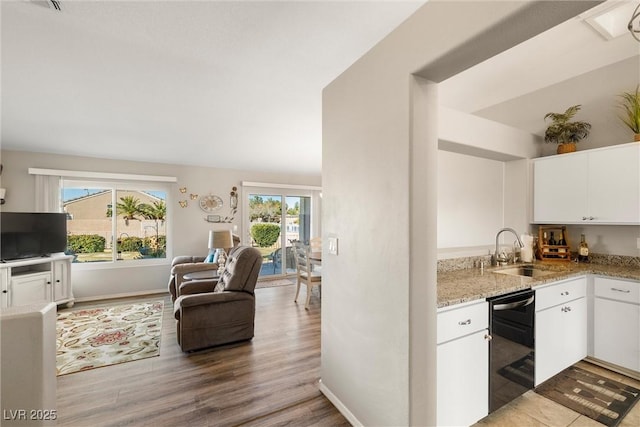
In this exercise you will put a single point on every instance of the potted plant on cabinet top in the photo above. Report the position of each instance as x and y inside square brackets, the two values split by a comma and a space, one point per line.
[631, 105]
[564, 132]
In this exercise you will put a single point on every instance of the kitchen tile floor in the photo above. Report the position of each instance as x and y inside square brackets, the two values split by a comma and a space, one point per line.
[531, 409]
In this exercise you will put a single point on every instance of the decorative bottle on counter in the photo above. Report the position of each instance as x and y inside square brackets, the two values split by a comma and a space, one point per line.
[583, 250]
[562, 242]
[552, 242]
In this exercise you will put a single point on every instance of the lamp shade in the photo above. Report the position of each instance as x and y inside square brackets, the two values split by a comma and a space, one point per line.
[220, 239]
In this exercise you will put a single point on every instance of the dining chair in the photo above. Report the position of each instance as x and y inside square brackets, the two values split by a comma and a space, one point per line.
[305, 273]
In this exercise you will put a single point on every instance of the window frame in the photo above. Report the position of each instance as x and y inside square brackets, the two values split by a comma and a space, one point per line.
[124, 185]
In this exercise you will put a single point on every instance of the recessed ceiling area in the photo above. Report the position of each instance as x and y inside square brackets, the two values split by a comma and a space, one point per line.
[566, 65]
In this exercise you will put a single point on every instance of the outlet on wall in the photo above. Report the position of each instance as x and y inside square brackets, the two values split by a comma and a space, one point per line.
[638, 243]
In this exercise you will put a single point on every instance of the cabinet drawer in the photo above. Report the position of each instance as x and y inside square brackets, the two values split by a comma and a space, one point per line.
[560, 293]
[458, 322]
[619, 290]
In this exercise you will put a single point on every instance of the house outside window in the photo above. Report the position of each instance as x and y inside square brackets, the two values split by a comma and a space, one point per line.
[115, 222]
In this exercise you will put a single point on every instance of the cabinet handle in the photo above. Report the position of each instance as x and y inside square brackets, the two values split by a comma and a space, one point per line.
[565, 309]
[466, 322]
[488, 337]
[49, 282]
[626, 291]
[5, 292]
[590, 218]
[58, 281]
[564, 293]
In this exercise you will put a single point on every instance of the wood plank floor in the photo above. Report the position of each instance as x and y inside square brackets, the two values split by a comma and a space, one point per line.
[271, 380]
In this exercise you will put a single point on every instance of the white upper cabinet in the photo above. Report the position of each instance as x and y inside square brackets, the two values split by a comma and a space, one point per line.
[600, 186]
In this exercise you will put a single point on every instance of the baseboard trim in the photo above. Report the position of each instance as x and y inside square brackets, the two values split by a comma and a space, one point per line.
[615, 368]
[122, 295]
[339, 405]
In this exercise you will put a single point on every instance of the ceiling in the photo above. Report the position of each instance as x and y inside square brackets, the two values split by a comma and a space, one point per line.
[229, 84]
[236, 84]
[566, 65]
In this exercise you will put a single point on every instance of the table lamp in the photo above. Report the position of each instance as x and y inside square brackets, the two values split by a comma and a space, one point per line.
[220, 240]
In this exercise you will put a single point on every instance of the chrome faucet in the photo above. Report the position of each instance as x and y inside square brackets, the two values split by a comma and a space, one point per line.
[497, 259]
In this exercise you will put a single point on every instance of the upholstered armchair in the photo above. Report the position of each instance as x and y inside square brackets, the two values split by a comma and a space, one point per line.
[210, 314]
[182, 265]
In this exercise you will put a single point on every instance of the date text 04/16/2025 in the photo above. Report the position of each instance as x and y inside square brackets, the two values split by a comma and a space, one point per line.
[29, 414]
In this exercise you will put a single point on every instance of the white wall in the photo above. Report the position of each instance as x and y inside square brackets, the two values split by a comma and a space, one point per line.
[470, 200]
[606, 239]
[190, 230]
[372, 131]
[368, 192]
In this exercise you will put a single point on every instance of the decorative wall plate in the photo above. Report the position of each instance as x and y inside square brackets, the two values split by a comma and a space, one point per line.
[210, 203]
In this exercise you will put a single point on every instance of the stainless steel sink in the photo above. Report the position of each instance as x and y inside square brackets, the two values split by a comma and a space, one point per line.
[524, 271]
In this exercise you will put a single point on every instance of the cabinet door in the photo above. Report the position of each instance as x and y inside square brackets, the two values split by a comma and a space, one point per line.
[614, 185]
[30, 289]
[463, 380]
[561, 338]
[61, 282]
[616, 333]
[560, 189]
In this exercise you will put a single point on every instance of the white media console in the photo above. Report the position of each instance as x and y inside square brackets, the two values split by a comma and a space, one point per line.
[36, 280]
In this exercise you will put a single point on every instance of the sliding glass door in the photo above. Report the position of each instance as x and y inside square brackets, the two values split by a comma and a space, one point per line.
[277, 219]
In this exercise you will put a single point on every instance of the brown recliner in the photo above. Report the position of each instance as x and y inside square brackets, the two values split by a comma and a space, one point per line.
[182, 265]
[224, 315]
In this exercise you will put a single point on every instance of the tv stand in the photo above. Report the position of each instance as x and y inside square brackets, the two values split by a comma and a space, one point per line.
[36, 280]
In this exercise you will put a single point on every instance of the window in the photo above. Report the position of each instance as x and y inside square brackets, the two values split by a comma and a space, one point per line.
[115, 222]
[277, 215]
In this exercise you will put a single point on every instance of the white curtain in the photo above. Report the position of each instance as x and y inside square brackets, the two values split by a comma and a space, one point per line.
[48, 193]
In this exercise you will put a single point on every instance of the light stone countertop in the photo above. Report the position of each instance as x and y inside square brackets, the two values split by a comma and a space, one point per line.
[455, 287]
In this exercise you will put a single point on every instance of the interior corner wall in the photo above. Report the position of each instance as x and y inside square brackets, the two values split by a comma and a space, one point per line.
[516, 195]
[366, 324]
[366, 346]
[189, 228]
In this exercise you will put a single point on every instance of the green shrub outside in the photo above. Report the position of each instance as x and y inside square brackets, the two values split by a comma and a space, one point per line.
[129, 244]
[150, 242]
[86, 243]
[265, 234]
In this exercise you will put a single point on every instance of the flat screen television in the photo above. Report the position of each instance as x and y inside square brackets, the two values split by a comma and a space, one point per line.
[31, 234]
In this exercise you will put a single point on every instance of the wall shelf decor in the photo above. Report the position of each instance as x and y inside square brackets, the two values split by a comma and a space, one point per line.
[210, 203]
[233, 205]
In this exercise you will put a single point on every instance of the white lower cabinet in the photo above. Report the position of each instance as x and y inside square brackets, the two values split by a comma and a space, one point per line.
[35, 281]
[560, 328]
[463, 364]
[61, 281]
[28, 289]
[616, 330]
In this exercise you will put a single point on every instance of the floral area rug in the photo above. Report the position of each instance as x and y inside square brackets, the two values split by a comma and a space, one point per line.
[92, 338]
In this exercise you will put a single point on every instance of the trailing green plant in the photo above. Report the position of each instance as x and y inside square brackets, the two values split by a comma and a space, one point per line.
[630, 105]
[562, 130]
[85, 243]
[265, 234]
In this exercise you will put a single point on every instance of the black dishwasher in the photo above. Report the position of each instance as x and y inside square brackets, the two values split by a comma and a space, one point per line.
[511, 349]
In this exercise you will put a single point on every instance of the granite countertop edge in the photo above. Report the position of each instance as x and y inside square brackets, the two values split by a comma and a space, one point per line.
[461, 286]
